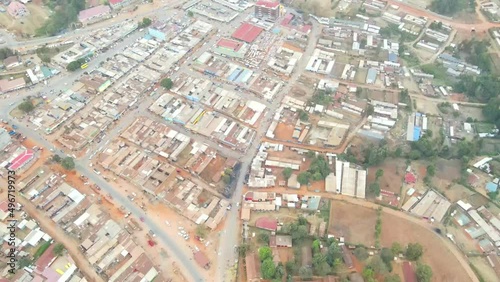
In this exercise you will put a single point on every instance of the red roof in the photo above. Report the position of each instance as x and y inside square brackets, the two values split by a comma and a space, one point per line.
[4, 206]
[21, 160]
[201, 259]
[45, 259]
[247, 32]
[113, 2]
[229, 44]
[408, 272]
[287, 19]
[267, 4]
[410, 178]
[266, 223]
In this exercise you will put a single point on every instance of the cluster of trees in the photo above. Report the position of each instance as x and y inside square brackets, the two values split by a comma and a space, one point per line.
[374, 188]
[227, 175]
[167, 83]
[26, 106]
[45, 53]
[75, 65]
[5, 53]
[65, 13]
[477, 53]
[322, 97]
[404, 97]
[299, 229]
[67, 163]
[303, 116]
[450, 7]
[268, 269]
[145, 23]
[378, 227]
[318, 170]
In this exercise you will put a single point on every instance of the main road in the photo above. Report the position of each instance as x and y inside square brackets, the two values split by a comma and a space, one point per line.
[229, 237]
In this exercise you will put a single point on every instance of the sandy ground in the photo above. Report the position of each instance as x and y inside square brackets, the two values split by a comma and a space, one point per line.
[357, 225]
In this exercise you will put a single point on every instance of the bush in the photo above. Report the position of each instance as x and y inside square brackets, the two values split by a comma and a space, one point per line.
[414, 251]
[68, 163]
[58, 249]
[424, 273]
[26, 106]
[287, 172]
[167, 83]
[361, 253]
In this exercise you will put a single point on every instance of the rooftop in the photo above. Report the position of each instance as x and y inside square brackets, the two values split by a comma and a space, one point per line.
[247, 32]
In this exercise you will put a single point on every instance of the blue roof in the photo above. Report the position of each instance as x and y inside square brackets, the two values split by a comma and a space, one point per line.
[46, 71]
[393, 57]
[491, 187]
[276, 30]
[235, 74]
[416, 133]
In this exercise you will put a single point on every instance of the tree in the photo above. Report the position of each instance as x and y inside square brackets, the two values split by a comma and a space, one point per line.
[304, 177]
[431, 170]
[268, 269]
[387, 257]
[201, 231]
[368, 274]
[287, 172]
[73, 66]
[392, 278]
[68, 163]
[145, 22]
[265, 253]
[58, 249]
[396, 248]
[374, 189]
[303, 116]
[226, 178]
[290, 267]
[377, 265]
[398, 152]
[361, 253]
[379, 173]
[190, 14]
[24, 262]
[264, 237]
[424, 273]
[26, 106]
[320, 266]
[56, 158]
[414, 251]
[305, 272]
[316, 246]
[243, 249]
[167, 83]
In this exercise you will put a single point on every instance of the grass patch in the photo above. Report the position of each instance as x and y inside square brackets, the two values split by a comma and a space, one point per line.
[482, 127]
[439, 71]
[41, 250]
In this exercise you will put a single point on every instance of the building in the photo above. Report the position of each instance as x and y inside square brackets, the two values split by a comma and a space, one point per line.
[9, 85]
[371, 76]
[231, 48]
[21, 160]
[4, 138]
[118, 4]
[11, 62]
[267, 10]
[17, 10]
[280, 241]
[266, 223]
[202, 259]
[94, 14]
[247, 32]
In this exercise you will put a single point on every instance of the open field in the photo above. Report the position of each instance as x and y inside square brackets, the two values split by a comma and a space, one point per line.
[356, 224]
[322, 8]
[392, 180]
[26, 25]
[443, 263]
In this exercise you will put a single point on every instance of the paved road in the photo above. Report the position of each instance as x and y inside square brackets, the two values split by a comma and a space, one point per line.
[229, 238]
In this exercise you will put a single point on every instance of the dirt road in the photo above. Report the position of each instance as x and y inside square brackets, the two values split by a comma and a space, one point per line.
[60, 236]
[459, 256]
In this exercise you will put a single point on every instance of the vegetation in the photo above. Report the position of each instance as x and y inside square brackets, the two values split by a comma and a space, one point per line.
[321, 97]
[404, 97]
[58, 249]
[303, 116]
[57, 158]
[26, 106]
[201, 231]
[287, 172]
[414, 251]
[476, 53]
[190, 14]
[268, 269]
[263, 238]
[378, 227]
[227, 176]
[396, 248]
[68, 163]
[5, 53]
[299, 230]
[387, 257]
[423, 272]
[167, 83]
[24, 262]
[39, 252]
[243, 249]
[438, 70]
[144, 23]
[75, 65]
[361, 253]
[66, 13]
[450, 7]
[45, 54]
[374, 189]
[318, 170]
[392, 278]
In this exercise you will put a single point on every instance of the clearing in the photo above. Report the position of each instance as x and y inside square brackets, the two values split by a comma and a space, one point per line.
[26, 25]
[356, 224]
[392, 180]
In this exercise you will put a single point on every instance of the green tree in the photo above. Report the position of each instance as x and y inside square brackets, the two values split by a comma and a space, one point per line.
[201, 231]
[290, 267]
[263, 237]
[396, 248]
[226, 178]
[24, 262]
[58, 249]
[268, 269]
[303, 116]
[265, 253]
[5, 53]
[424, 273]
[387, 257]
[145, 22]
[287, 172]
[243, 249]
[26, 106]
[374, 189]
[304, 177]
[431, 170]
[361, 253]
[414, 251]
[68, 163]
[305, 272]
[190, 14]
[368, 274]
[379, 173]
[320, 266]
[378, 265]
[56, 158]
[280, 271]
[392, 278]
[316, 246]
[73, 66]
[167, 83]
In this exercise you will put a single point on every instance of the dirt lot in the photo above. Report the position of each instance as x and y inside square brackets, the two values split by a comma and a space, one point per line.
[356, 224]
[284, 131]
[392, 180]
[455, 192]
[443, 263]
[473, 112]
[28, 24]
[216, 166]
[425, 106]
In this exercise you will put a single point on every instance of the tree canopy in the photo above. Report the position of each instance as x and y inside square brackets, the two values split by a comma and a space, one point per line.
[68, 163]
[414, 251]
[265, 253]
[423, 272]
[26, 106]
[287, 172]
[167, 83]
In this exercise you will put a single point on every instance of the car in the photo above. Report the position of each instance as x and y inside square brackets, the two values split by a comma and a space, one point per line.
[142, 219]
[229, 207]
